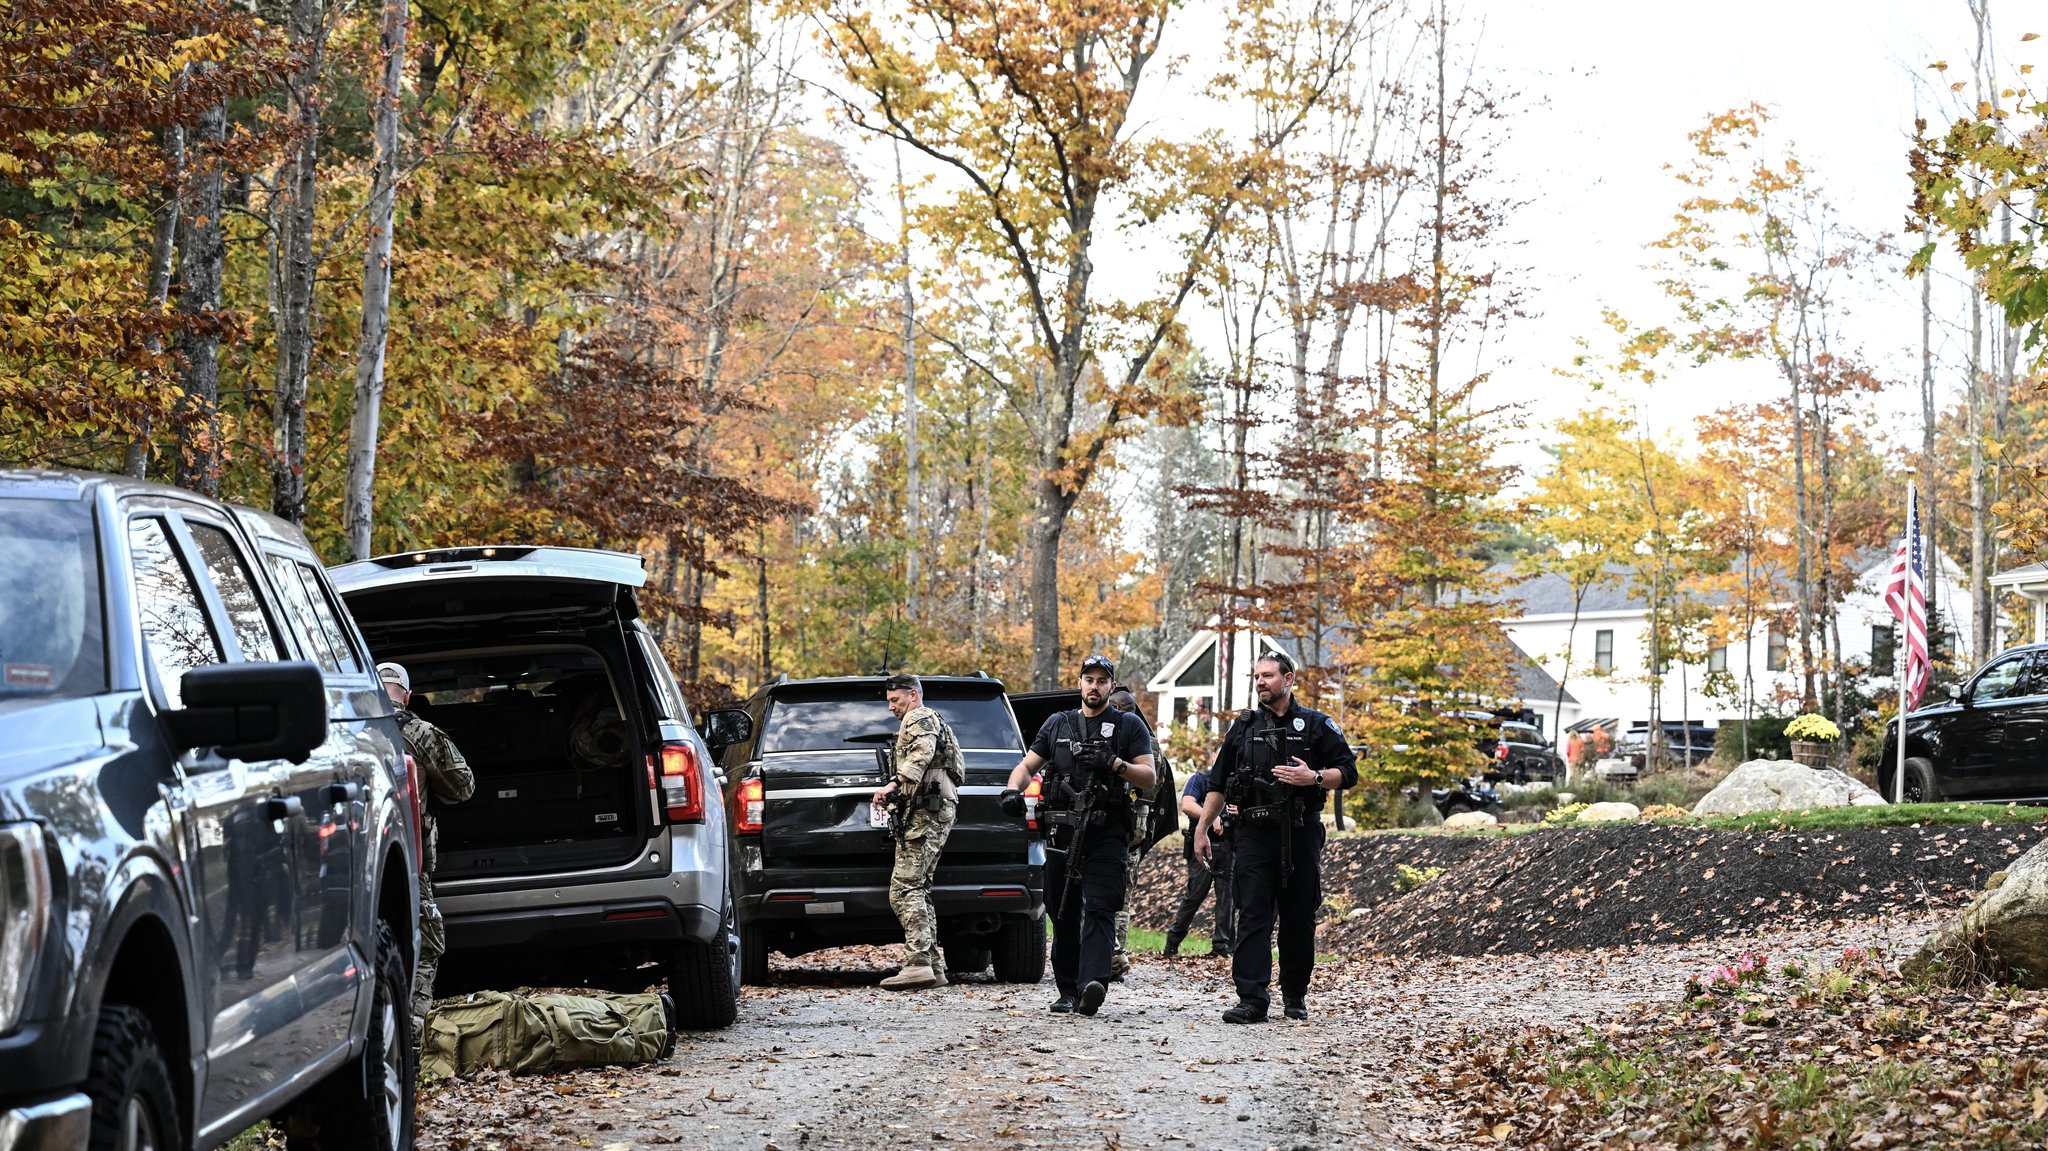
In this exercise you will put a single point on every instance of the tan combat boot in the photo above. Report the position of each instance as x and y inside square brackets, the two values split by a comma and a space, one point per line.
[914, 979]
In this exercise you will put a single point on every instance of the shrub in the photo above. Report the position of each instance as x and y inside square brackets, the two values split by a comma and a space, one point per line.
[1408, 878]
[1666, 811]
[1569, 813]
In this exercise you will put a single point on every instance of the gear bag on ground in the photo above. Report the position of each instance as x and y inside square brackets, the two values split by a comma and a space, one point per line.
[529, 1032]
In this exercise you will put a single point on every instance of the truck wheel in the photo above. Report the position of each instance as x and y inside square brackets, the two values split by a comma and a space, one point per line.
[132, 1105]
[965, 959]
[704, 979]
[1019, 953]
[366, 1104]
[1920, 785]
[753, 956]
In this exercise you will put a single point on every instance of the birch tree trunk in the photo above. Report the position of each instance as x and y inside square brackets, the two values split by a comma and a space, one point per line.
[369, 395]
[163, 250]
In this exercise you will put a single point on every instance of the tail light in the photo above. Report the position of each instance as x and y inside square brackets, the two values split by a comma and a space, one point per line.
[1033, 792]
[412, 800]
[747, 807]
[681, 782]
[1500, 750]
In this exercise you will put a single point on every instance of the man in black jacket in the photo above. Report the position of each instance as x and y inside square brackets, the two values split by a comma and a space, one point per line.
[1276, 765]
[1093, 756]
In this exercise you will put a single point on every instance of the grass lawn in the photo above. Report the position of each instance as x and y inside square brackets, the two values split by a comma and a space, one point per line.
[1888, 815]
[1147, 942]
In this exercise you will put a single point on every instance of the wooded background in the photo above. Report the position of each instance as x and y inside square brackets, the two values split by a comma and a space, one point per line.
[429, 272]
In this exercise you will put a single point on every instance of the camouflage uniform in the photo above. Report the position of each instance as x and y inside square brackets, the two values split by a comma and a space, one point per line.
[446, 779]
[928, 763]
[1120, 959]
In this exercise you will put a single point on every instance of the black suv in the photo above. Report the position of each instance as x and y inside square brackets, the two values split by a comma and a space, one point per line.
[811, 872]
[1518, 753]
[207, 833]
[1987, 741]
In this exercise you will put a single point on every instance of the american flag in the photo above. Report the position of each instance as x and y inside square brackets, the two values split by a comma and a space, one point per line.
[1906, 594]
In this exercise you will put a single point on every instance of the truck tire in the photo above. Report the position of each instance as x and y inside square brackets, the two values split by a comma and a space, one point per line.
[965, 959]
[753, 956]
[1920, 785]
[367, 1103]
[704, 979]
[1019, 953]
[133, 1108]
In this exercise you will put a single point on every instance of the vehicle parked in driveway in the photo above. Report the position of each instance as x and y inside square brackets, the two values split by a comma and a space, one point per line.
[809, 869]
[596, 843]
[208, 833]
[1680, 746]
[1988, 741]
[1518, 753]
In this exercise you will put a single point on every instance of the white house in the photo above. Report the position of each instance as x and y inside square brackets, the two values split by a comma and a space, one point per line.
[1609, 651]
[1610, 644]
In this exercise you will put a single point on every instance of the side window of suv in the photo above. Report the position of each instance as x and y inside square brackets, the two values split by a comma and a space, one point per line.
[666, 690]
[175, 630]
[311, 616]
[253, 633]
[2001, 680]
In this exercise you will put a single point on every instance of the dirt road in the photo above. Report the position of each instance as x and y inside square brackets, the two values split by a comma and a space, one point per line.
[825, 1059]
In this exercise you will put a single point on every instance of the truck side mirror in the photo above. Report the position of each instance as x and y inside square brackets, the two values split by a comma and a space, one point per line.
[727, 726]
[252, 711]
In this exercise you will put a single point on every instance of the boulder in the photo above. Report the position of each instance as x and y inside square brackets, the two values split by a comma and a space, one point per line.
[2003, 934]
[1610, 813]
[1470, 819]
[1781, 785]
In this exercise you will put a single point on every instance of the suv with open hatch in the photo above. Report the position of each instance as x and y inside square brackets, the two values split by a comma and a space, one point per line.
[810, 869]
[208, 835]
[1987, 742]
[595, 845]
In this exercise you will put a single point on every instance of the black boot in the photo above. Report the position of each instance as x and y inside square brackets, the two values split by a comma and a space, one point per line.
[1172, 944]
[1064, 1005]
[1296, 1006]
[1091, 999]
[1246, 1011]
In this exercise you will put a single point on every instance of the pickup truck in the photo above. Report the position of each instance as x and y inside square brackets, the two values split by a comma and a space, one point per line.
[208, 833]
[809, 869]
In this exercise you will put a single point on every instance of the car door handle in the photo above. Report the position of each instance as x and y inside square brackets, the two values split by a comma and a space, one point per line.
[283, 807]
[337, 794]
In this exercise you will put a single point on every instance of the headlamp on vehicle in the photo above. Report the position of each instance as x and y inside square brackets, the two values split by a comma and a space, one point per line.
[24, 914]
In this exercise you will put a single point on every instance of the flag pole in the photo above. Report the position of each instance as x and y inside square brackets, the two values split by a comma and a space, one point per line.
[1903, 659]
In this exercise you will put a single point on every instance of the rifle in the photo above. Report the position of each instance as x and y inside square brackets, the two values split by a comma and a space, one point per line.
[1260, 800]
[1083, 809]
[899, 800]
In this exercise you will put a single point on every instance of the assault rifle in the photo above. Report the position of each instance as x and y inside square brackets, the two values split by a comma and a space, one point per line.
[1083, 805]
[899, 800]
[1262, 800]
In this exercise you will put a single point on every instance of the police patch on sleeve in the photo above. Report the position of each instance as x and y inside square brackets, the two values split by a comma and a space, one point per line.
[1332, 723]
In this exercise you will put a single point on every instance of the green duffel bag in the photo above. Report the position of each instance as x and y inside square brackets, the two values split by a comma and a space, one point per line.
[524, 1032]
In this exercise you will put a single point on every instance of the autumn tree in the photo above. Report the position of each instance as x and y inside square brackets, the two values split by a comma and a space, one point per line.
[1026, 109]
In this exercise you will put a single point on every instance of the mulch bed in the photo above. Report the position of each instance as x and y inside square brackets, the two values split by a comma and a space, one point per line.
[1612, 886]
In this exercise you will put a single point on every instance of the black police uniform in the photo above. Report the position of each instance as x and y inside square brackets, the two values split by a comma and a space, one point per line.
[1257, 742]
[1084, 929]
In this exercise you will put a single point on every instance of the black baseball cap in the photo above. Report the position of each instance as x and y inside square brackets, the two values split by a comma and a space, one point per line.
[1100, 663]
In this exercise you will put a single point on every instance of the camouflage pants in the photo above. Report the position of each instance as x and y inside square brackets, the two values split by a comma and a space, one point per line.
[910, 885]
[1123, 913]
[433, 944]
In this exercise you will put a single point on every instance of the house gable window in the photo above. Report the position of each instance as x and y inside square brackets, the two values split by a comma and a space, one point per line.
[1201, 673]
[1776, 649]
[1882, 653]
[1717, 657]
[1603, 650]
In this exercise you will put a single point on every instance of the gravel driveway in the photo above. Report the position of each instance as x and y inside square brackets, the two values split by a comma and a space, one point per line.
[824, 1059]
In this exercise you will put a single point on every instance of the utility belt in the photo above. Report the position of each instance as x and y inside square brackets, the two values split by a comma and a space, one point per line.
[1292, 812]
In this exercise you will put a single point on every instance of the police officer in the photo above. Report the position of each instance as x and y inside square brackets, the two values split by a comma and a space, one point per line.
[1202, 878]
[448, 780]
[1094, 755]
[929, 773]
[1277, 763]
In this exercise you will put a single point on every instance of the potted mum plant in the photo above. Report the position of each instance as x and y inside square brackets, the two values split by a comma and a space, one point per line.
[1813, 739]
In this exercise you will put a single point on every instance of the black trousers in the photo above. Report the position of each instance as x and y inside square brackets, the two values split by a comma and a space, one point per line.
[1084, 928]
[1261, 899]
[1200, 881]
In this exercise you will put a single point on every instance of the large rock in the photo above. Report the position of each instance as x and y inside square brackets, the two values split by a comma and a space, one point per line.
[1610, 813]
[2003, 934]
[1470, 819]
[1781, 785]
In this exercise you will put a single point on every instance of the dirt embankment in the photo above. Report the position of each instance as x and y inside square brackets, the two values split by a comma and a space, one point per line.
[1614, 886]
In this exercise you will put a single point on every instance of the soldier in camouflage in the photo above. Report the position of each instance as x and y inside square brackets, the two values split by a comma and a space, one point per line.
[929, 769]
[448, 780]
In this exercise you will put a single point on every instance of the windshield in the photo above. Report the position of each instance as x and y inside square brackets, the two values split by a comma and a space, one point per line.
[801, 724]
[49, 602]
